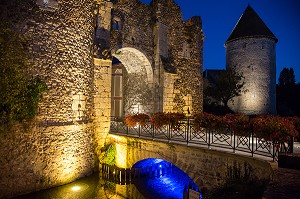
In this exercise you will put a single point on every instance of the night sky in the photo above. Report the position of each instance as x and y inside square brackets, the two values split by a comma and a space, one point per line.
[220, 16]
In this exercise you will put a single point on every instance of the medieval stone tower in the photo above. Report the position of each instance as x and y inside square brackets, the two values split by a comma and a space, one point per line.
[251, 48]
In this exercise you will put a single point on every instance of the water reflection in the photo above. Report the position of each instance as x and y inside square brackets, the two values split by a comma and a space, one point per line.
[148, 179]
[92, 187]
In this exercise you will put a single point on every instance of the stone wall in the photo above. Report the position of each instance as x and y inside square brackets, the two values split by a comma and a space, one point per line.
[255, 58]
[169, 45]
[135, 27]
[207, 168]
[35, 156]
[169, 92]
[187, 65]
[102, 102]
[58, 146]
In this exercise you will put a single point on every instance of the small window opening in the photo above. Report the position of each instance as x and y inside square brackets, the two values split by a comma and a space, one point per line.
[116, 25]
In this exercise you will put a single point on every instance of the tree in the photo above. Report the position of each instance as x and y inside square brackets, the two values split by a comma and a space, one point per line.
[287, 94]
[229, 84]
[287, 77]
[19, 93]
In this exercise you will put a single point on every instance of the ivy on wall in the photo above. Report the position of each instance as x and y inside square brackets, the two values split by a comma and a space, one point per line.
[19, 92]
[110, 155]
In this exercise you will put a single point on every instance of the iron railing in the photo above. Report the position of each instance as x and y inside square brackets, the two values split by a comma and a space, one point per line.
[186, 133]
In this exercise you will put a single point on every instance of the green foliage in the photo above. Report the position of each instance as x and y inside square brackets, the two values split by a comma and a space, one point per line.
[288, 94]
[228, 85]
[287, 77]
[19, 93]
[110, 155]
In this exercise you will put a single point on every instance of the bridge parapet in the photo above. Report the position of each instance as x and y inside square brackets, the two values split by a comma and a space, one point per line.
[186, 133]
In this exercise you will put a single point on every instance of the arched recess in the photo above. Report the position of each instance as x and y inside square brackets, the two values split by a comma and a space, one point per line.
[133, 75]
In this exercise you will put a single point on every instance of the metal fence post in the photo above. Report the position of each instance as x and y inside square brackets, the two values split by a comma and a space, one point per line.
[252, 145]
[189, 129]
[232, 132]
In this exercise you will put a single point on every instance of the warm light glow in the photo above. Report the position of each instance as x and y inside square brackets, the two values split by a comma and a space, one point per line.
[76, 188]
[121, 148]
[67, 156]
[121, 159]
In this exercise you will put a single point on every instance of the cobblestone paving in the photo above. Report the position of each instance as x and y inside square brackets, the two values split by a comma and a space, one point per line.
[285, 185]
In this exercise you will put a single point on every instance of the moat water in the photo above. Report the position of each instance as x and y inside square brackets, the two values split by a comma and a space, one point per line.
[152, 185]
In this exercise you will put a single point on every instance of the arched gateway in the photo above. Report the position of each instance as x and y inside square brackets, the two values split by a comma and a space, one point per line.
[132, 83]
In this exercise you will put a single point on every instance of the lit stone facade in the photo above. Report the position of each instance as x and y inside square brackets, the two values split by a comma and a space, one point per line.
[255, 58]
[70, 43]
[251, 49]
[152, 43]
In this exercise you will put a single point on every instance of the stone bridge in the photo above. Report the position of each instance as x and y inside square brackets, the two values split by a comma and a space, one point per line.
[208, 168]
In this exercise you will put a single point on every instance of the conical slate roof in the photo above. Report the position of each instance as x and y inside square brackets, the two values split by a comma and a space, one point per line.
[250, 25]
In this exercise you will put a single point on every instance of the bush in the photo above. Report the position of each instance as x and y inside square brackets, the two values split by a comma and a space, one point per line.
[210, 121]
[274, 128]
[238, 123]
[132, 120]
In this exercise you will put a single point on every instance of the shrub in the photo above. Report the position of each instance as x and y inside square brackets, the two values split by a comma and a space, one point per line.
[175, 119]
[132, 120]
[238, 123]
[273, 128]
[160, 119]
[210, 121]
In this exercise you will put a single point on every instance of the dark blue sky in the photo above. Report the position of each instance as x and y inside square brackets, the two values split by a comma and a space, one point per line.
[220, 16]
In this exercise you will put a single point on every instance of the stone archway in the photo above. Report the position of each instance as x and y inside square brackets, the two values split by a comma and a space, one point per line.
[136, 83]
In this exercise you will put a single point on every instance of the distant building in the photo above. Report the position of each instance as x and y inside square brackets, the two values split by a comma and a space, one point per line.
[251, 48]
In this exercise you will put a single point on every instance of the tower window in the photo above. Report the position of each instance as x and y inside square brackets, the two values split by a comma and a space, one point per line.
[244, 45]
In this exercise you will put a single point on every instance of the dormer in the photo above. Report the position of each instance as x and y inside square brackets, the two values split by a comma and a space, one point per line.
[49, 5]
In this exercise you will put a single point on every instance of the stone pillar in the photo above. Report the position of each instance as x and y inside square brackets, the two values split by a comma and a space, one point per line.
[102, 100]
[169, 92]
[160, 32]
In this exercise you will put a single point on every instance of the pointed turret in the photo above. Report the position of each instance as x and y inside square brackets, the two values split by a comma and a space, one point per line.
[250, 25]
